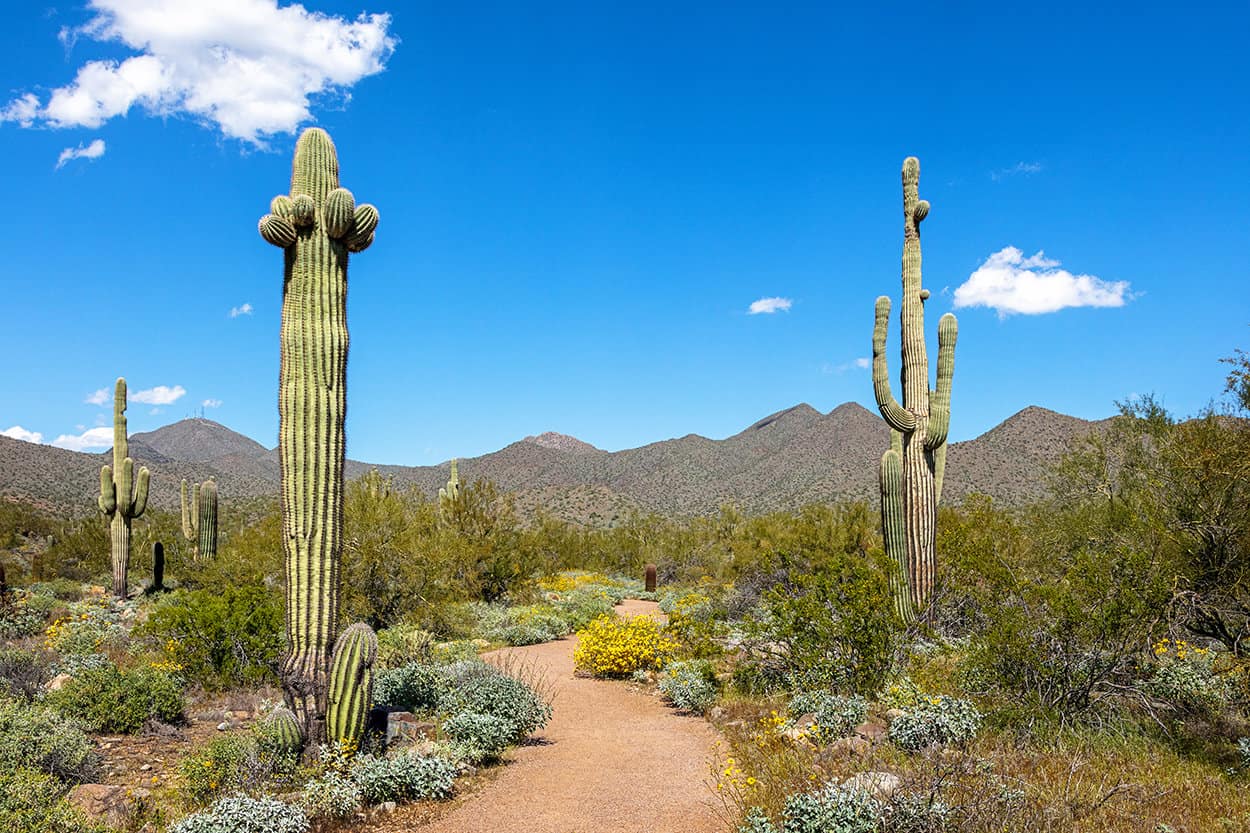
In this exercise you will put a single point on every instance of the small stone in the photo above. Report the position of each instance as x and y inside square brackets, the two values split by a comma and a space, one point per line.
[872, 730]
[717, 713]
[880, 785]
[894, 714]
[387, 807]
[58, 682]
[145, 768]
[852, 746]
[223, 726]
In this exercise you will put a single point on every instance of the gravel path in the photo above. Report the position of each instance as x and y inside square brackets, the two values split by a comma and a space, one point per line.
[612, 760]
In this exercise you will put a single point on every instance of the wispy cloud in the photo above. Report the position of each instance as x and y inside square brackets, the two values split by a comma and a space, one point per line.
[243, 309]
[159, 395]
[100, 397]
[17, 432]
[211, 403]
[91, 438]
[1018, 169]
[246, 67]
[861, 363]
[768, 306]
[92, 151]
[1008, 282]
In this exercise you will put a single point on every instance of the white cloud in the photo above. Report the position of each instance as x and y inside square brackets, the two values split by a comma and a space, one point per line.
[245, 309]
[768, 306]
[1009, 282]
[92, 151]
[155, 411]
[159, 395]
[1018, 169]
[100, 397]
[17, 432]
[92, 438]
[211, 403]
[248, 67]
[854, 364]
[863, 363]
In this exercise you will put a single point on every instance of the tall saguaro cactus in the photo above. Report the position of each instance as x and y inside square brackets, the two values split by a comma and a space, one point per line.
[911, 471]
[448, 495]
[123, 497]
[199, 518]
[317, 226]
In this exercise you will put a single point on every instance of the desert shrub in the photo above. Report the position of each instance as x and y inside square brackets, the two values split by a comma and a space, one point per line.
[22, 673]
[403, 644]
[33, 802]
[482, 689]
[240, 814]
[405, 777]
[64, 589]
[580, 606]
[416, 687]
[1243, 751]
[1185, 677]
[109, 699]
[832, 628]
[90, 627]
[447, 620]
[332, 795]
[77, 664]
[212, 770]
[221, 636]
[690, 685]
[37, 737]
[530, 625]
[833, 715]
[935, 720]
[25, 614]
[478, 737]
[614, 647]
[830, 809]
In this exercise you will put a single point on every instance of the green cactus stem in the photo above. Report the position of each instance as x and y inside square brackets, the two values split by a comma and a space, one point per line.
[317, 226]
[911, 471]
[123, 497]
[351, 684]
[286, 730]
[449, 494]
[199, 518]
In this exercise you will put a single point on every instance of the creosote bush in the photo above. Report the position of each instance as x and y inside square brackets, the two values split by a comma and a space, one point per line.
[39, 738]
[110, 699]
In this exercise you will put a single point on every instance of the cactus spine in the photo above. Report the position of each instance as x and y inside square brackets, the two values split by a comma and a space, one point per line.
[351, 684]
[123, 497]
[316, 226]
[448, 495]
[911, 471]
[199, 518]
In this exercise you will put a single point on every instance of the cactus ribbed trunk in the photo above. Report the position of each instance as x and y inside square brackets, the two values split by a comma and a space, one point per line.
[911, 470]
[317, 226]
[123, 496]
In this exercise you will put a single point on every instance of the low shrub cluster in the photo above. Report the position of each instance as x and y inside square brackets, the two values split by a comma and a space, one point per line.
[938, 720]
[110, 699]
[615, 647]
[26, 612]
[34, 802]
[22, 673]
[833, 715]
[248, 763]
[690, 685]
[39, 738]
[241, 814]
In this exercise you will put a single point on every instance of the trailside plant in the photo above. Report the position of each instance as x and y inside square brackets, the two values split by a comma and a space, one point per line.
[938, 720]
[317, 226]
[241, 814]
[911, 471]
[690, 685]
[123, 497]
[615, 647]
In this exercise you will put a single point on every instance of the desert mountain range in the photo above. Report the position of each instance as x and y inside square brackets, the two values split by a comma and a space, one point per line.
[788, 459]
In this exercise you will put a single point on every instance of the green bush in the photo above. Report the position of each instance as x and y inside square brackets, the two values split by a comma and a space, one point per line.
[249, 763]
[25, 614]
[478, 737]
[690, 685]
[32, 802]
[332, 795]
[222, 637]
[109, 699]
[405, 777]
[835, 716]
[22, 673]
[477, 687]
[37, 737]
[935, 720]
[240, 814]
[402, 644]
[416, 687]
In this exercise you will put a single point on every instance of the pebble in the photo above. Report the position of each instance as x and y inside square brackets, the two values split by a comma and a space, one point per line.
[221, 727]
[145, 768]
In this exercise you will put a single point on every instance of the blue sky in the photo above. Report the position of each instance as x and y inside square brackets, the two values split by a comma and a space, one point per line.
[581, 201]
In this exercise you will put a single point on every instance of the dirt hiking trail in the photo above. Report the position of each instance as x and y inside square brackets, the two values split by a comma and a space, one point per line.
[612, 760]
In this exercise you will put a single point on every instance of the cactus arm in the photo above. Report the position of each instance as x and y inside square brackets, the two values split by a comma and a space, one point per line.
[939, 472]
[940, 399]
[893, 527]
[125, 488]
[141, 492]
[364, 222]
[340, 212]
[893, 413]
[206, 522]
[277, 231]
[108, 492]
[351, 683]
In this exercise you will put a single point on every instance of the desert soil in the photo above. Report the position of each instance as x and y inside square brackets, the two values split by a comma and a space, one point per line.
[614, 758]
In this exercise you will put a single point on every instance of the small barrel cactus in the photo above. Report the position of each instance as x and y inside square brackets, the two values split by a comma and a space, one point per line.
[286, 730]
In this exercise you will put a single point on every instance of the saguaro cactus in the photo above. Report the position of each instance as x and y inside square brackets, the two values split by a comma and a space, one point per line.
[199, 518]
[448, 495]
[911, 471]
[316, 226]
[123, 497]
[650, 578]
[351, 683]
[158, 569]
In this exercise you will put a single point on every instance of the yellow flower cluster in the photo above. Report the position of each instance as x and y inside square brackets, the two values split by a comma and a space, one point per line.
[734, 777]
[564, 582]
[613, 647]
[1178, 649]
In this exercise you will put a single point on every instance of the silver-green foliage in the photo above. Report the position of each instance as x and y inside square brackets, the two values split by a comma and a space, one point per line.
[834, 715]
[939, 720]
[241, 814]
[405, 777]
[690, 685]
[40, 738]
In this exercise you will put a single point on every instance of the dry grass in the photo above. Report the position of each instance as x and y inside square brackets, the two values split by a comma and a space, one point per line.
[1090, 784]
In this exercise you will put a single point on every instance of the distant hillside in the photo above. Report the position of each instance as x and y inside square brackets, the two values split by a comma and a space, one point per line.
[788, 459]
